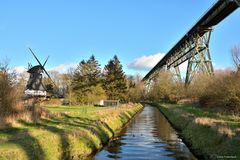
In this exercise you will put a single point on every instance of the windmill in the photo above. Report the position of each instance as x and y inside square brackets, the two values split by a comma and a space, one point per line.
[35, 87]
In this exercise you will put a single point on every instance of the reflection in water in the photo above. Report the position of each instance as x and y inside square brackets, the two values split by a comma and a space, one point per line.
[147, 136]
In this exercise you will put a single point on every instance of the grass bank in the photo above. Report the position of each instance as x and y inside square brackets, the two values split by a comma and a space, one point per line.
[209, 135]
[74, 133]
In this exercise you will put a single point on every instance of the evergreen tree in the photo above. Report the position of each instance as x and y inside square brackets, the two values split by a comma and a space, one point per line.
[114, 81]
[94, 72]
[87, 81]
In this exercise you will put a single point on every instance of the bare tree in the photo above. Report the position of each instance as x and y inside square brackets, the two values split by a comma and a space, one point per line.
[8, 96]
[235, 51]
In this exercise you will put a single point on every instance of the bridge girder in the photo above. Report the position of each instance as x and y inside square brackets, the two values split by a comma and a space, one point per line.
[238, 2]
[194, 46]
[186, 49]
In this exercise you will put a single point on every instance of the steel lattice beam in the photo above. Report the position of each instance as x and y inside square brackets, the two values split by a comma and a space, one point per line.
[238, 2]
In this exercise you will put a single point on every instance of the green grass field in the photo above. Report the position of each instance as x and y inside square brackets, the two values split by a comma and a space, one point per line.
[75, 133]
[82, 111]
[210, 135]
[76, 109]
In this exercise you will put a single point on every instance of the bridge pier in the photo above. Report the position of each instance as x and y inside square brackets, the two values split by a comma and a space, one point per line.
[200, 59]
[196, 52]
[148, 85]
[176, 73]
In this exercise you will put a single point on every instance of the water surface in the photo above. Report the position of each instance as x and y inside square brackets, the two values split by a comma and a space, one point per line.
[148, 136]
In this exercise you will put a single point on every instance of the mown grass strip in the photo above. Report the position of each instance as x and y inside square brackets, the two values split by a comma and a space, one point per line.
[75, 134]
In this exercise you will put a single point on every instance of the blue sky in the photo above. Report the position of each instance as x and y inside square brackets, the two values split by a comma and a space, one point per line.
[138, 31]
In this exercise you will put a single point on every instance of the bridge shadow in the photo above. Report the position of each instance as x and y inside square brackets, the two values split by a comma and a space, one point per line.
[96, 127]
[95, 123]
[74, 125]
[64, 127]
[63, 136]
[23, 138]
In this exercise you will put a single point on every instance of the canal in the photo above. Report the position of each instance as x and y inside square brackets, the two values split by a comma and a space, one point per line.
[148, 136]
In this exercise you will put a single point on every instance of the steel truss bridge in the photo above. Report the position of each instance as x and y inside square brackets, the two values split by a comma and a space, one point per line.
[194, 45]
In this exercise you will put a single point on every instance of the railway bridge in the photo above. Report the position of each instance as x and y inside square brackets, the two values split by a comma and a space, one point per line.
[194, 45]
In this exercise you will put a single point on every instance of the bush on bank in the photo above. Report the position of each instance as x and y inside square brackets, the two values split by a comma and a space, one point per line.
[221, 92]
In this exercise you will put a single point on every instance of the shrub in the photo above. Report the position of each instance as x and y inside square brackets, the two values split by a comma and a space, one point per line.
[198, 86]
[136, 89]
[8, 94]
[223, 92]
[220, 91]
[11, 93]
[165, 88]
[52, 102]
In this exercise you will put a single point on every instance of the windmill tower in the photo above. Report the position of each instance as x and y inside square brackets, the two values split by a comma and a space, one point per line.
[35, 87]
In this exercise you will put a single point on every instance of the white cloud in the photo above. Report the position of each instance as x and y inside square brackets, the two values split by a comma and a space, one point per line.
[19, 69]
[63, 68]
[146, 62]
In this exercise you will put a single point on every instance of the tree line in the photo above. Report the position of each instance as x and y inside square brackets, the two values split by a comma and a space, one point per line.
[86, 84]
[89, 83]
